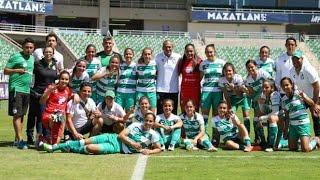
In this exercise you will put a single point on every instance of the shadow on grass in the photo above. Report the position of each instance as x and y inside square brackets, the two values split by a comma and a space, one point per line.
[6, 143]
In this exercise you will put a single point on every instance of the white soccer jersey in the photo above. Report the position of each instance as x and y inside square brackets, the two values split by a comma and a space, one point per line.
[79, 117]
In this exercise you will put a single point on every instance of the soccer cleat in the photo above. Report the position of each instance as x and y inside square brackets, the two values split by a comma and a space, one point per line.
[163, 147]
[171, 147]
[194, 148]
[47, 147]
[212, 149]
[22, 145]
[268, 150]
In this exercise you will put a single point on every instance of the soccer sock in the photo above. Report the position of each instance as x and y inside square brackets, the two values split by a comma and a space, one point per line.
[175, 136]
[205, 118]
[247, 141]
[75, 146]
[312, 144]
[272, 134]
[246, 123]
[255, 120]
[241, 146]
[187, 142]
[206, 144]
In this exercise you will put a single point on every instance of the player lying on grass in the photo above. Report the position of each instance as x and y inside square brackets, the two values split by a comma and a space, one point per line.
[231, 130]
[194, 135]
[168, 126]
[299, 123]
[138, 137]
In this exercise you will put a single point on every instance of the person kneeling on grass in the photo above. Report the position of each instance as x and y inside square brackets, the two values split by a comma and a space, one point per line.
[138, 137]
[194, 129]
[231, 130]
[293, 104]
[168, 125]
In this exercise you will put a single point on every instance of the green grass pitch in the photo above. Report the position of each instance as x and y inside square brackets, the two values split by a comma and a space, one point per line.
[180, 164]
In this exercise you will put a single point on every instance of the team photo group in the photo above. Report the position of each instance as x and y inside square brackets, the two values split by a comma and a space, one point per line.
[141, 102]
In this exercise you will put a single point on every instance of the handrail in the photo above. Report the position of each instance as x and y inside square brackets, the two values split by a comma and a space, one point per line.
[307, 37]
[256, 10]
[249, 35]
[77, 2]
[151, 33]
[45, 29]
[11, 41]
[150, 5]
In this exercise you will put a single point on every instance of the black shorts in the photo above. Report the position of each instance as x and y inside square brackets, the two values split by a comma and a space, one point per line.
[107, 128]
[18, 104]
[86, 128]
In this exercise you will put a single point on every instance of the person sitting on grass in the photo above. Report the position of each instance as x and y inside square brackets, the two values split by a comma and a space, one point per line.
[194, 129]
[293, 104]
[138, 137]
[83, 117]
[231, 130]
[168, 125]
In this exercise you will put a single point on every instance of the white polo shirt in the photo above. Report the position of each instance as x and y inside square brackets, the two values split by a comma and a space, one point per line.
[38, 54]
[79, 117]
[115, 110]
[304, 80]
[168, 75]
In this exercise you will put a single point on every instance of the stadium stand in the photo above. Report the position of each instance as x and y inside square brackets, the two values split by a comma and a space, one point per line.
[78, 42]
[6, 49]
[138, 42]
[314, 45]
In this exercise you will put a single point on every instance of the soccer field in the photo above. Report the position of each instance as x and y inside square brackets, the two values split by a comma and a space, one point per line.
[32, 164]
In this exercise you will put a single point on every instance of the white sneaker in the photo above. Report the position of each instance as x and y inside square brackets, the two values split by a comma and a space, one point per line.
[268, 150]
[171, 147]
[163, 147]
[213, 149]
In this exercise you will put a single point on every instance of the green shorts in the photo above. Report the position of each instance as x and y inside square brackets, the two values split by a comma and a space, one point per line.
[152, 96]
[239, 101]
[298, 131]
[210, 99]
[108, 143]
[126, 100]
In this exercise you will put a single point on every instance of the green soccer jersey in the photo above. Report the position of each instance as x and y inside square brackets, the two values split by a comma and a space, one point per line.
[212, 71]
[128, 78]
[256, 83]
[170, 121]
[225, 128]
[192, 126]
[105, 58]
[93, 66]
[296, 108]
[76, 81]
[106, 83]
[268, 66]
[146, 77]
[145, 138]
[20, 82]
[271, 103]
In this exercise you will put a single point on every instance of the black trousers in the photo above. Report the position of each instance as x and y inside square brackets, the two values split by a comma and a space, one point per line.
[162, 96]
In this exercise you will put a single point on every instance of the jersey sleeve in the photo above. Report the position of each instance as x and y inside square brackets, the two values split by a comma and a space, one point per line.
[312, 75]
[70, 108]
[275, 101]
[213, 122]
[158, 118]
[11, 62]
[155, 138]
[201, 66]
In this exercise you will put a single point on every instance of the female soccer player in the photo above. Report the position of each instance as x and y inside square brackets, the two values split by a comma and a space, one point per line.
[107, 78]
[138, 137]
[146, 78]
[93, 66]
[190, 83]
[143, 108]
[211, 71]
[194, 130]
[269, 105]
[231, 84]
[79, 75]
[126, 91]
[253, 88]
[299, 123]
[265, 62]
[232, 132]
[56, 97]
[168, 126]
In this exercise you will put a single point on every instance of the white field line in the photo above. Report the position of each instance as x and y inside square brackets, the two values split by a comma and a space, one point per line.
[240, 157]
[140, 167]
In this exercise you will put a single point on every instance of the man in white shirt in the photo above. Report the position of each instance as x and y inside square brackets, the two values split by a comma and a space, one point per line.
[306, 78]
[168, 76]
[51, 40]
[83, 117]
